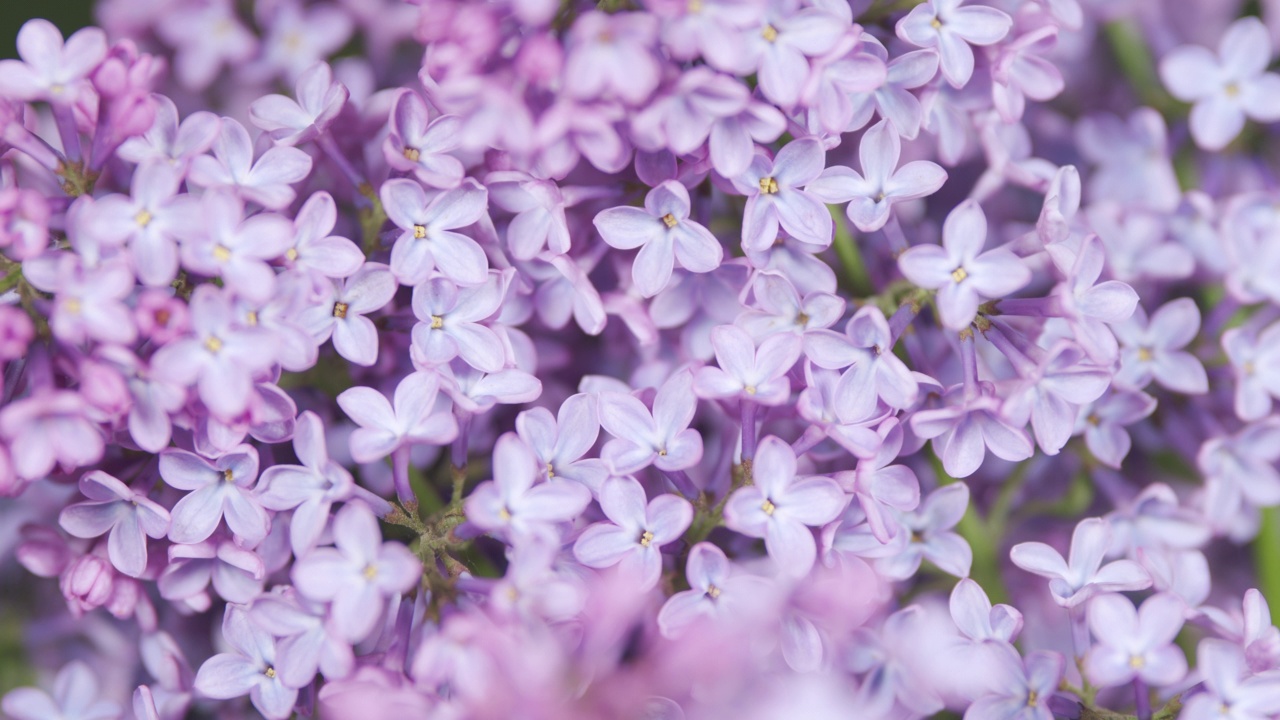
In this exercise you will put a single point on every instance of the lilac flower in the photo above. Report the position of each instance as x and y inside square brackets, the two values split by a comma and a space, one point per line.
[779, 308]
[205, 36]
[76, 696]
[1074, 582]
[1230, 690]
[710, 30]
[309, 489]
[836, 79]
[1255, 358]
[560, 442]
[1239, 470]
[930, 527]
[661, 437]
[306, 642]
[1252, 629]
[231, 166]
[874, 371]
[872, 193]
[881, 487]
[237, 574]
[126, 516]
[944, 25]
[428, 241]
[664, 233]
[422, 147]
[611, 56]
[715, 591]
[779, 49]
[449, 322]
[975, 616]
[682, 120]
[51, 70]
[733, 139]
[1105, 421]
[1024, 687]
[1153, 349]
[412, 420]
[152, 219]
[167, 140]
[340, 313]
[1131, 158]
[962, 274]
[967, 427]
[781, 508]
[313, 248]
[513, 505]
[534, 587]
[1051, 393]
[249, 670]
[293, 122]
[222, 357]
[1227, 87]
[750, 373]
[236, 249]
[539, 206]
[48, 428]
[1018, 74]
[359, 574]
[222, 487]
[296, 37]
[1135, 643]
[90, 304]
[776, 198]
[1091, 306]
[636, 531]
[474, 391]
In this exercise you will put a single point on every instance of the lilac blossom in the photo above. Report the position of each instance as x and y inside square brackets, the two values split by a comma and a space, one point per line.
[932, 538]
[358, 574]
[428, 240]
[47, 429]
[1227, 86]
[1153, 349]
[422, 146]
[945, 25]
[1135, 642]
[1229, 688]
[248, 670]
[51, 69]
[340, 313]
[513, 504]
[872, 193]
[874, 372]
[235, 248]
[781, 507]
[386, 427]
[266, 181]
[635, 533]
[1255, 357]
[170, 141]
[664, 233]
[75, 697]
[307, 643]
[236, 573]
[219, 487]
[1072, 582]
[715, 590]
[779, 49]
[126, 516]
[777, 198]
[309, 489]
[609, 56]
[747, 372]
[780, 308]
[450, 322]
[152, 219]
[661, 437]
[313, 248]
[969, 425]
[318, 101]
[978, 619]
[1022, 687]
[561, 442]
[1105, 422]
[962, 274]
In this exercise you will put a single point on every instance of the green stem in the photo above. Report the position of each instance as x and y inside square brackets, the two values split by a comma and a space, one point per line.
[850, 256]
[1266, 554]
[1139, 67]
[984, 543]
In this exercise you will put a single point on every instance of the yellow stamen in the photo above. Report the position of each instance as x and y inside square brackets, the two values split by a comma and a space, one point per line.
[143, 218]
[713, 592]
[750, 389]
[1032, 698]
[669, 220]
[768, 507]
[437, 322]
[221, 253]
[936, 24]
[370, 571]
[228, 475]
[252, 317]
[646, 538]
[291, 254]
[1249, 368]
[1136, 662]
[72, 305]
[1145, 354]
[340, 310]
[959, 274]
[419, 231]
[802, 319]
[694, 6]
[504, 514]
[270, 672]
[411, 154]
[551, 471]
[1231, 90]
[1093, 419]
[769, 33]
[213, 344]
[768, 186]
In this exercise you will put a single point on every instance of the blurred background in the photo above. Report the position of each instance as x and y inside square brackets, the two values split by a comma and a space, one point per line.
[68, 15]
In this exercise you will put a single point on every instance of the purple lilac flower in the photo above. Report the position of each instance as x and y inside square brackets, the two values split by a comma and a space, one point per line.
[50, 69]
[749, 373]
[715, 590]
[75, 697]
[776, 197]
[48, 429]
[561, 442]
[661, 437]
[319, 99]
[248, 670]
[1073, 582]
[1154, 349]
[874, 373]
[340, 313]
[307, 642]
[1135, 642]
[635, 533]
[945, 25]
[422, 146]
[1025, 687]
[1229, 688]
[428, 240]
[781, 508]
[237, 574]
[176, 144]
[930, 527]
[386, 427]
[126, 516]
[358, 574]
[266, 181]
[309, 489]
[235, 248]
[219, 487]
[513, 504]
[313, 248]
[152, 219]
[978, 619]
[450, 322]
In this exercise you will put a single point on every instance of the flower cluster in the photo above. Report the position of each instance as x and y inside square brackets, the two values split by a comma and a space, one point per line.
[641, 359]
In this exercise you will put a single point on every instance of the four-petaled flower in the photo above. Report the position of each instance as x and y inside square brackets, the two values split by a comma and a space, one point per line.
[636, 531]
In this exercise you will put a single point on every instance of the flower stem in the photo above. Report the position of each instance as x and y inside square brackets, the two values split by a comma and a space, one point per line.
[1266, 553]
[1142, 699]
[748, 431]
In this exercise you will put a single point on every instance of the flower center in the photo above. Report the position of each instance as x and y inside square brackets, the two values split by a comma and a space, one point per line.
[802, 318]
[340, 310]
[1145, 354]
[1248, 368]
[551, 471]
[411, 154]
[143, 218]
[646, 538]
[437, 322]
[213, 344]
[291, 254]
[1093, 419]
[221, 253]
[768, 507]
[769, 33]
[72, 306]
[768, 186]
[228, 476]
[1231, 90]
[504, 514]
[695, 6]
[750, 389]
[1137, 662]
[270, 672]
[669, 220]
[252, 317]
[936, 24]
[959, 274]
[370, 571]
[419, 231]
[713, 592]
[1033, 698]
